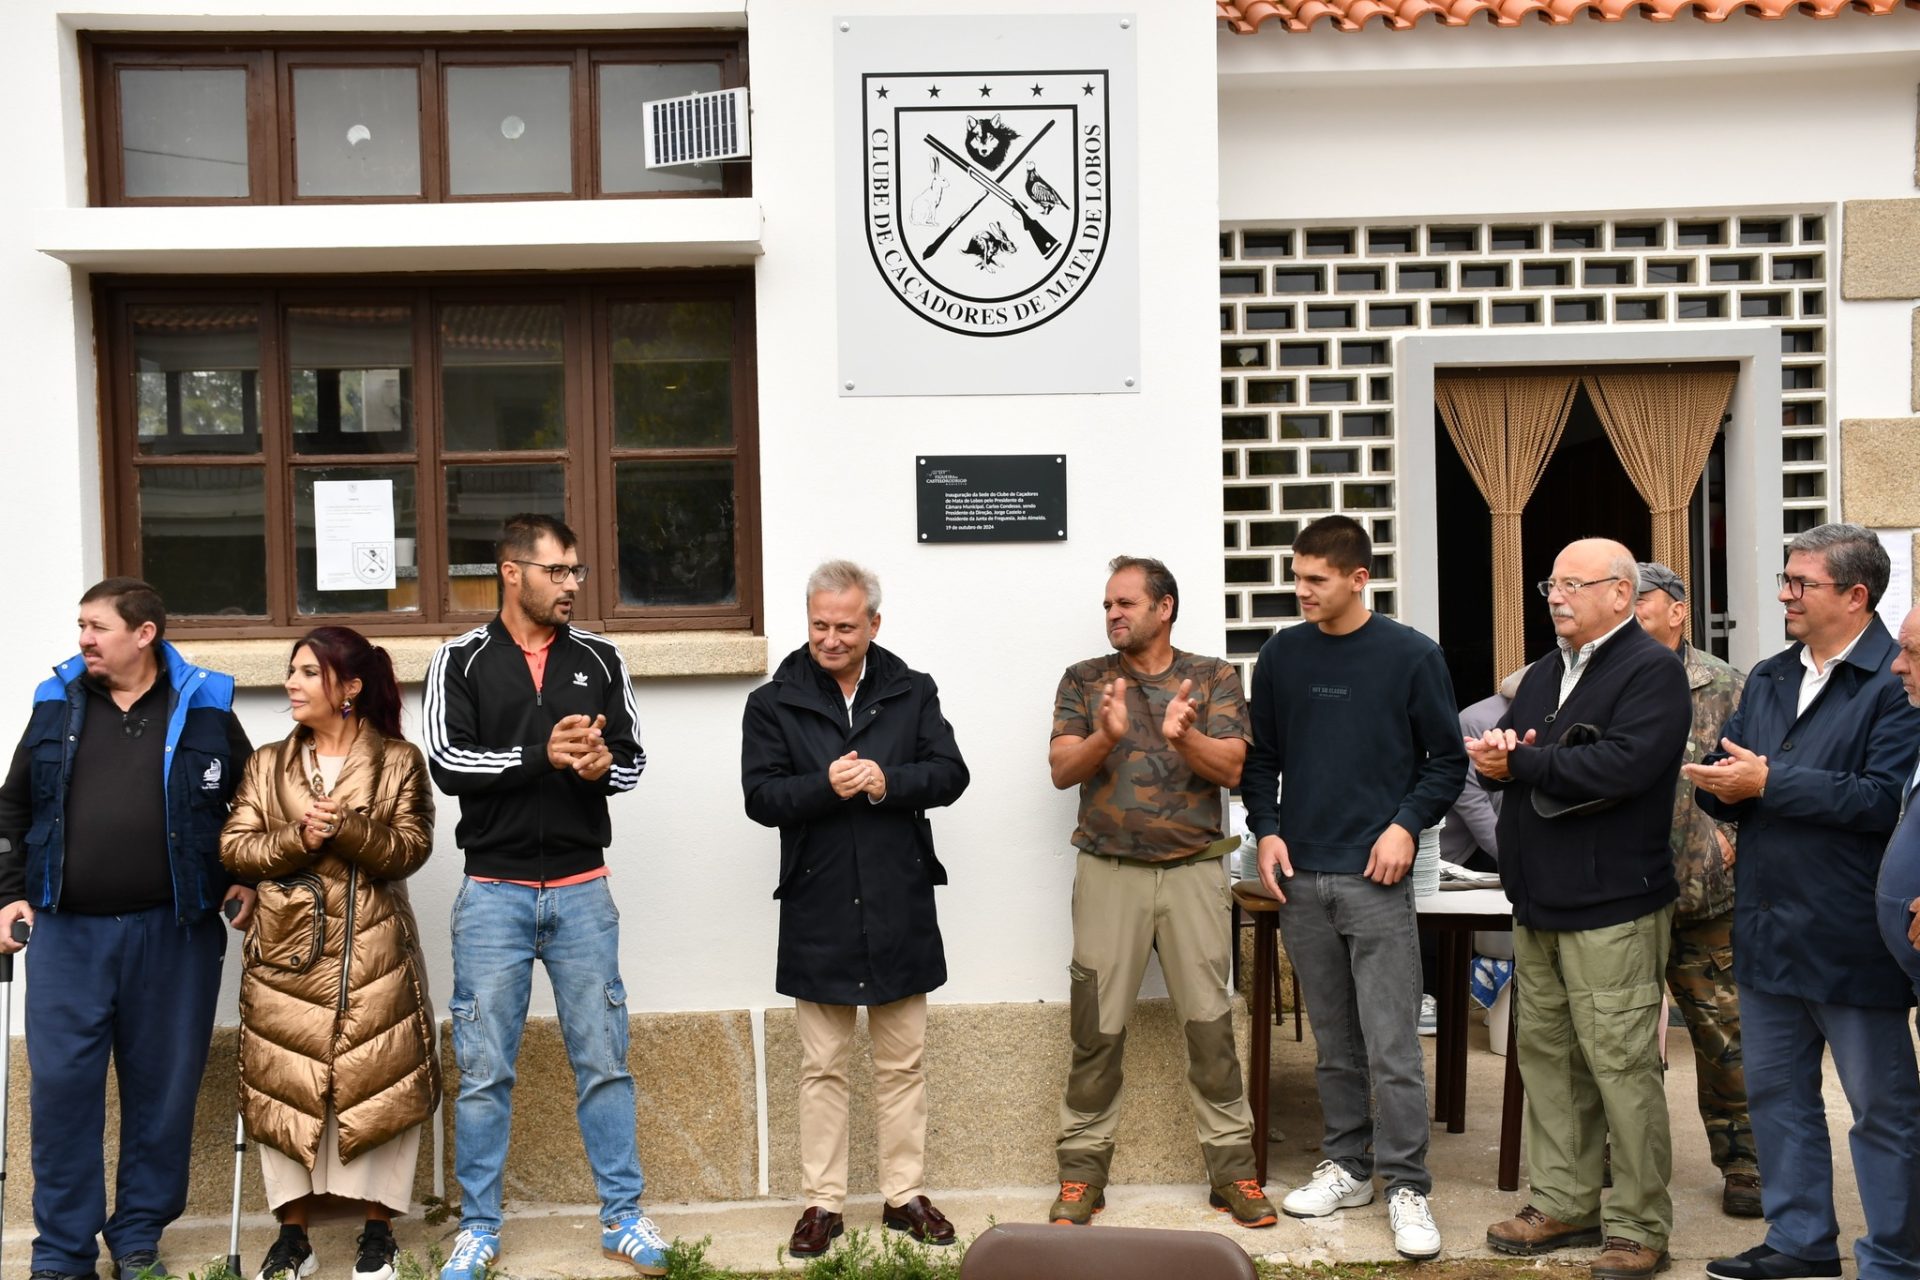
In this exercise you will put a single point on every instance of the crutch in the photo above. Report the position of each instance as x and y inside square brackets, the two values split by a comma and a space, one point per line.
[21, 932]
[230, 910]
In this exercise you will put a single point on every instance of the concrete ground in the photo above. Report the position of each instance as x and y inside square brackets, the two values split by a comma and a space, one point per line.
[544, 1241]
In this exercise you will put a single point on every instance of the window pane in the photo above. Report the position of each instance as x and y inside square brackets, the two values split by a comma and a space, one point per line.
[405, 596]
[203, 538]
[676, 532]
[509, 130]
[357, 131]
[351, 378]
[505, 385]
[183, 131]
[196, 373]
[478, 500]
[672, 374]
[623, 147]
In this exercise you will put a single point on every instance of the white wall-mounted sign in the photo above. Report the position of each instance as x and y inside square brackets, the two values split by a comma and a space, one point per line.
[353, 535]
[986, 205]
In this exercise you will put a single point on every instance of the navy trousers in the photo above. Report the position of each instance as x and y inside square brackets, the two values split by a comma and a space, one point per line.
[140, 989]
[1873, 1055]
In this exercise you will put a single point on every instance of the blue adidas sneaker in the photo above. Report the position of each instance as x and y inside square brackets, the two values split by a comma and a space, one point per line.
[637, 1241]
[475, 1250]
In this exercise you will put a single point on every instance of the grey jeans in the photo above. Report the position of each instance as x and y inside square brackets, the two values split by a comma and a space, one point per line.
[1355, 945]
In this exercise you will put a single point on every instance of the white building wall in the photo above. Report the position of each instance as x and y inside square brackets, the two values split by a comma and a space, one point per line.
[995, 625]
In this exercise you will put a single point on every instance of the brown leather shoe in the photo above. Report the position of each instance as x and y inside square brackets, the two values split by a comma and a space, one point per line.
[814, 1232]
[1626, 1259]
[1531, 1231]
[919, 1219]
[1740, 1197]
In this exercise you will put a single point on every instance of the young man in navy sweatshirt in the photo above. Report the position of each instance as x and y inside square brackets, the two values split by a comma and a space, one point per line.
[1356, 712]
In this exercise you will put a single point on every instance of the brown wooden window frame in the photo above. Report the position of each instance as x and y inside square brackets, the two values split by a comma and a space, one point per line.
[270, 61]
[587, 458]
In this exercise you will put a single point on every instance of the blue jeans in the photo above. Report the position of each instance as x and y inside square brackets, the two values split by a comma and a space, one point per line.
[139, 988]
[1873, 1056]
[498, 932]
[1356, 947]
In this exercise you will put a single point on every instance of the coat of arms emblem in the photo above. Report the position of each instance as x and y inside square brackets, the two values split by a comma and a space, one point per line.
[986, 193]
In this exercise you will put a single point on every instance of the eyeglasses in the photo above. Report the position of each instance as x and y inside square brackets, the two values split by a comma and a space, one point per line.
[1797, 587]
[1568, 586]
[557, 572]
[131, 725]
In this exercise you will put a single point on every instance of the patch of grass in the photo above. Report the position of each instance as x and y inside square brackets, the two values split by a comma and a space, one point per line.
[434, 1210]
[687, 1260]
[216, 1269]
[896, 1256]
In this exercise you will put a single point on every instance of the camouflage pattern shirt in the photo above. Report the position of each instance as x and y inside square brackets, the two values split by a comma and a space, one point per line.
[1145, 803]
[1706, 881]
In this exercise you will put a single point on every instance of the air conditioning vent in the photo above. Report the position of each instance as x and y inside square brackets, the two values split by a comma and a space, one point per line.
[698, 128]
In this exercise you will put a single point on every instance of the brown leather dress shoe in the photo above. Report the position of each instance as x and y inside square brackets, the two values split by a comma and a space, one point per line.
[919, 1219]
[814, 1232]
[1626, 1259]
[1531, 1231]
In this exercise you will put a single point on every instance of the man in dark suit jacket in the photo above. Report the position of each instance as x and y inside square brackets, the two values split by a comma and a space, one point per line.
[1812, 768]
[1589, 753]
[845, 750]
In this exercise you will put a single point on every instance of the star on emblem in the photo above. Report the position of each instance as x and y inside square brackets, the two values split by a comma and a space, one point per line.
[933, 91]
[881, 92]
[1086, 91]
[985, 92]
[1037, 91]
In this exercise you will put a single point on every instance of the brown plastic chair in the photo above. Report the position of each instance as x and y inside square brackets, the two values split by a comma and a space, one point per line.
[1030, 1251]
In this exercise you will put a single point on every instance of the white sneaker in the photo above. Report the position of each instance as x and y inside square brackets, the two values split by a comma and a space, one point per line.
[1330, 1188]
[1414, 1235]
[1429, 1023]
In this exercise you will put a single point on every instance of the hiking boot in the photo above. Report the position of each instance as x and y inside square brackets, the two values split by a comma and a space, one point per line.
[1740, 1196]
[289, 1258]
[1625, 1259]
[1414, 1233]
[1331, 1188]
[475, 1251]
[375, 1251]
[1762, 1263]
[1077, 1204]
[1246, 1201]
[140, 1264]
[637, 1241]
[1531, 1231]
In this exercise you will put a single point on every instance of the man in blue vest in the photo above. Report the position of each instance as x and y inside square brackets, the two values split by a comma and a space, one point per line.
[110, 851]
[1812, 767]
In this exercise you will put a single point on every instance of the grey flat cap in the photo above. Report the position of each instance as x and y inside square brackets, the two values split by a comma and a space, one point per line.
[1656, 576]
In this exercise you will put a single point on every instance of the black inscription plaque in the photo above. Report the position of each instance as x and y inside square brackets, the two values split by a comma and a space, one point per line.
[992, 497]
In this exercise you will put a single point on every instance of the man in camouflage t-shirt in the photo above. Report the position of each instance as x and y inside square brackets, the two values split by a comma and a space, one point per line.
[1150, 735]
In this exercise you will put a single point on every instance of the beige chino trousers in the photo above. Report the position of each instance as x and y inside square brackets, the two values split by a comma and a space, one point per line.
[899, 1035]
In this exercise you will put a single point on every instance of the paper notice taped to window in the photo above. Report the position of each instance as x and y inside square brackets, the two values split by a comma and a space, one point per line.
[353, 535]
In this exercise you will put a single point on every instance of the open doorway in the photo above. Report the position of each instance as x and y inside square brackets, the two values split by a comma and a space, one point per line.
[1584, 492]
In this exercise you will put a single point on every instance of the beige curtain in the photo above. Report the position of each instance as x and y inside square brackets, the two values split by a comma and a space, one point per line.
[1505, 428]
[1662, 423]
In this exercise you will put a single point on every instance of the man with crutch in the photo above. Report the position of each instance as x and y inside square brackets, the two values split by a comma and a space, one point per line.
[109, 851]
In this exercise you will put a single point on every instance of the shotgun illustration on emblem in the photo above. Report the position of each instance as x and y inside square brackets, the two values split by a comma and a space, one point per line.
[1043, 240]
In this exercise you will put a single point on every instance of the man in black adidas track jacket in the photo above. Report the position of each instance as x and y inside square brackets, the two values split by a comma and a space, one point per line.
[531, 724]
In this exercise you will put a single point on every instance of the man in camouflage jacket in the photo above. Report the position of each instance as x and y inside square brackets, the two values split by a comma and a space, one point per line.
[1700, 965]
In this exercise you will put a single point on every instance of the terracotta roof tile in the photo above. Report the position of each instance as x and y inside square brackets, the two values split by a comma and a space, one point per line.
[1248, 16]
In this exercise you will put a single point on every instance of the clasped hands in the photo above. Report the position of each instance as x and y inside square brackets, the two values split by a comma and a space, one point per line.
[1739, 775]
[850, 775]
[1490, 750]
[576, 743]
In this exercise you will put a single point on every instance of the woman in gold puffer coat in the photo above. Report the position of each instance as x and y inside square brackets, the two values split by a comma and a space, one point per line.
[338, 1068]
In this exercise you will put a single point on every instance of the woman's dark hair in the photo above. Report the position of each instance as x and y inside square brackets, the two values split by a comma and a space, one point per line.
[344, 654]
